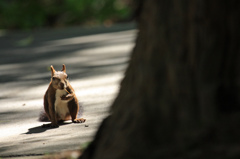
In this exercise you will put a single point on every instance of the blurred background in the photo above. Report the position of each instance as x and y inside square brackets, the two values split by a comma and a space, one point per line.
[35, 14]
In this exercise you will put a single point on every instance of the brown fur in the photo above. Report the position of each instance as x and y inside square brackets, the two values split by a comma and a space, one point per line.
[59, 82]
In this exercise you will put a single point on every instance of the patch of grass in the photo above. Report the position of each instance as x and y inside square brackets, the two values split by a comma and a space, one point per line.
[84, 146]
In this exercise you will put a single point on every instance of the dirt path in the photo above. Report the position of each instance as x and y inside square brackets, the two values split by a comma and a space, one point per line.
[95, 61]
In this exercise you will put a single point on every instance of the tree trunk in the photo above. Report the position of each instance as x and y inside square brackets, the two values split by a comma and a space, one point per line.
[180, 94]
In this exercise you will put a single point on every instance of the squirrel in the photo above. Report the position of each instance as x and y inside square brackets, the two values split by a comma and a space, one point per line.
[60, 101]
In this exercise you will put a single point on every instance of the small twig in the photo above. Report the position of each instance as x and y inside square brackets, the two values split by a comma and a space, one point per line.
[67, 91]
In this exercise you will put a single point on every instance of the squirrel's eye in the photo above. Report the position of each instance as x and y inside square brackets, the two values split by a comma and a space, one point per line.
[53, 78]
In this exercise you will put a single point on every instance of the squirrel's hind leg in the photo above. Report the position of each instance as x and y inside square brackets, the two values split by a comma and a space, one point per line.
[74, 117]
[73, 110]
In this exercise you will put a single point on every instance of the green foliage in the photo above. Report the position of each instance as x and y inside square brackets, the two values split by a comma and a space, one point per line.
[27, 14]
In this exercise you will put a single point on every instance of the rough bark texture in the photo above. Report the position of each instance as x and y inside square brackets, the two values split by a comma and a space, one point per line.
[180, 94]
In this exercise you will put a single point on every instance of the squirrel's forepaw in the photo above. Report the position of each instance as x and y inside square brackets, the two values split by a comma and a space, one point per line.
[81, 120]
[67, 97]
[63, 97]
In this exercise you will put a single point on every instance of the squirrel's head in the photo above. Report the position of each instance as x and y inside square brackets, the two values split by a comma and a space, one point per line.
[59, 79]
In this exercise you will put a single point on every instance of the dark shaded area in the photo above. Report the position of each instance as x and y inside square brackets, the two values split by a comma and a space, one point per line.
[36, 130]
[180, 94]
[228, 100]
[58, 13]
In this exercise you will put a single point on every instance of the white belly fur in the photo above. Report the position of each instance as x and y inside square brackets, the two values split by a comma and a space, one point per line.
[61, 106]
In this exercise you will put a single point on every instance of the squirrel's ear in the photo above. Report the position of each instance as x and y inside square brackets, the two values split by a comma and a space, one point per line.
[64, 68]
[52, 70]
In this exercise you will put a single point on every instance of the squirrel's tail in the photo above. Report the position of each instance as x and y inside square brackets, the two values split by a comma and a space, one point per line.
[43, 116]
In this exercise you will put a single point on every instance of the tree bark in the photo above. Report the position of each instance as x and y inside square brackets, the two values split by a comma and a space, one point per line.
[180, 94]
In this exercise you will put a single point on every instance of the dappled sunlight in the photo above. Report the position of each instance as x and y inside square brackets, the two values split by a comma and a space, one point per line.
[92, 38]
[96, 94]
[97, 56]
[95, 65]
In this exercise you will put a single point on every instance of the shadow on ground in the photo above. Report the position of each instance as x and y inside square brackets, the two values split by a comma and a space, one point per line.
[95, 61]
[40, 129]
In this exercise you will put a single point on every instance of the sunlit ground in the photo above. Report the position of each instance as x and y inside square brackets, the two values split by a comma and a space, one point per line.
[95, 65]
